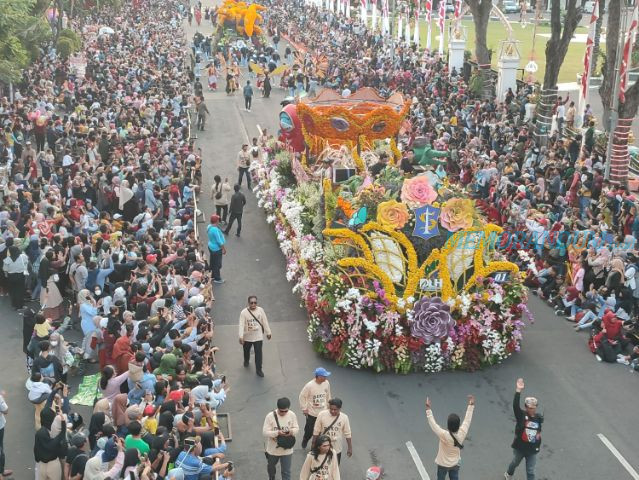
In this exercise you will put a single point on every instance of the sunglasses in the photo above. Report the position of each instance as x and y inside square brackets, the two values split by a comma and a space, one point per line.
[252, 303]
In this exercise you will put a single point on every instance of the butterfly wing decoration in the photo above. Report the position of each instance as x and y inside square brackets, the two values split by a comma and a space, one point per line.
[279, 70]
[359, 218]
[299, 59]
[255, 68]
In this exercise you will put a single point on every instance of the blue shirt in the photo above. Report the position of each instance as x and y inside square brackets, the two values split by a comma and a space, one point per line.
[216, 238]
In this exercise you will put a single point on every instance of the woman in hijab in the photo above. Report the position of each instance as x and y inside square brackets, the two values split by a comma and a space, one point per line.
[126, 202]
[119, 410]
[616, 277]
[108, 464]
[60, 350]
[50, 297]
[598, 261]
[130, 466]
[16, 269]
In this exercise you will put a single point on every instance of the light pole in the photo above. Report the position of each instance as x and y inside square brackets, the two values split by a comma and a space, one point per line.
[626, 12]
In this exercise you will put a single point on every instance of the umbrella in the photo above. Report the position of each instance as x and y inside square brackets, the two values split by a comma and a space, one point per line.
[106, 31]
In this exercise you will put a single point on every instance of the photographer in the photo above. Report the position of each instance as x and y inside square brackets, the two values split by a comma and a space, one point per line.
[279, 430]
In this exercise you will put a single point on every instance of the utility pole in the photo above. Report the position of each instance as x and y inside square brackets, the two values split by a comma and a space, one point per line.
[614, 100]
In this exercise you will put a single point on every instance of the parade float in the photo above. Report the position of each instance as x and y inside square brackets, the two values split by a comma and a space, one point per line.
[235, 19]
[397, 273]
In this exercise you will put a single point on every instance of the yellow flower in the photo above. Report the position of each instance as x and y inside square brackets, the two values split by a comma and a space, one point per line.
[392, 214]
[457, 214]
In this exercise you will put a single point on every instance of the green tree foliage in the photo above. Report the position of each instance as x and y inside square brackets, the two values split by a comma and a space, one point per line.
[22, 31]
[69, 43]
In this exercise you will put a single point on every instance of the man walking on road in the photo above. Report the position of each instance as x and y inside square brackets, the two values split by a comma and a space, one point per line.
[253, 326]
[243, 164]
[216, 248]
[4, 409]
[202, 112]
[314, 398]
[238, 200]
[335, 424]
[527, 434]
[279, 430]
[248, 95]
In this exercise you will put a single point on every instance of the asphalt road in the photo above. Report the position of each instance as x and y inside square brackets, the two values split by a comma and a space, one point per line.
[579, 397]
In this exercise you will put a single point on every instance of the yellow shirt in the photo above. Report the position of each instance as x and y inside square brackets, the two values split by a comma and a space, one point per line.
[340, 429]
[42, 329]
[314, 397]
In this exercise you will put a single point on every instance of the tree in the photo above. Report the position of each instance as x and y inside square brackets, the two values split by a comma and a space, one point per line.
[21, 33]
[480, 10]
[556, 49]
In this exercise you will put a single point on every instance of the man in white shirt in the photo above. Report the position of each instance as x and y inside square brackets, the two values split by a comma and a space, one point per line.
[280, 423]
[335, 424]
[313, 399]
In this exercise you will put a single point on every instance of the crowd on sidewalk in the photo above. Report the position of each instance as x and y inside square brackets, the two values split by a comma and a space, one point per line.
[99, 230]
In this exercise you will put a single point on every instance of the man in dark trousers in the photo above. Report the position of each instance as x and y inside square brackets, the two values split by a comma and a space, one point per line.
[238, 200]
[527, 434]
[248, 95]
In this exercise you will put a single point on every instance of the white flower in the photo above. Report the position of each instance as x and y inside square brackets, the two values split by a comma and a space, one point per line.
[497, 298]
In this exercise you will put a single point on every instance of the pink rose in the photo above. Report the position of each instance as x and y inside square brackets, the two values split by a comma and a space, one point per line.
[417, 192]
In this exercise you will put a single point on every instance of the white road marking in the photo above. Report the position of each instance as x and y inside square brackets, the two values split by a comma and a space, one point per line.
[633, 473]
[418, 461]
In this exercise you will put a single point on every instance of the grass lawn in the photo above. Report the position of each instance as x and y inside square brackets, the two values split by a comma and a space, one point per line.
[573, 63]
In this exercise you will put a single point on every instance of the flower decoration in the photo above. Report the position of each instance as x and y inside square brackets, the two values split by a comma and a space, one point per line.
[392, 214]
[418, 191]
[457, 214]
[431, 320]
[345, 206]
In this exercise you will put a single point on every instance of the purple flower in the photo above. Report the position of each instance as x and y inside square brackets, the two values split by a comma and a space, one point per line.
[431, 320]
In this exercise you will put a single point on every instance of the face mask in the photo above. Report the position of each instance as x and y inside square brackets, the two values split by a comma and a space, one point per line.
[98, 293]
[54, 344]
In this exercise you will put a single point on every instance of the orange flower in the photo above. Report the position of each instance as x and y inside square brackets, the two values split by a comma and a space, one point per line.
[345, 206]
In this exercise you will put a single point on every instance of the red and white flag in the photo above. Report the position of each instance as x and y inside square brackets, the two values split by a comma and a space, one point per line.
[458, 8]
[428, 7]
[590, 43]
[441, 22]
[627, 52]
[416, 34]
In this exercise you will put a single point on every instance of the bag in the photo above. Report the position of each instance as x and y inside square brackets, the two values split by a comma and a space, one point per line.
[331, 425]
[218, 193]
[321, 465]
[283, 442]
[255, 318]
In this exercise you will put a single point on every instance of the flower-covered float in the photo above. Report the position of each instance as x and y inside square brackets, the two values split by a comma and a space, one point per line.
[396, 273]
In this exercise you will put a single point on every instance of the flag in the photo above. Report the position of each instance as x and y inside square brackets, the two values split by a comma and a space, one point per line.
[399, 27]
[458, 9]
[627, 51]
[363, 13]
[585, 77]
[385, 17]
[441, 23]
[407, 31]
[416, 35]
[374, 20]
[429, 10]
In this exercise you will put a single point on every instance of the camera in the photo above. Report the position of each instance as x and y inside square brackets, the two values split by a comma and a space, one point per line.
[230, 467]
[190, 441]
